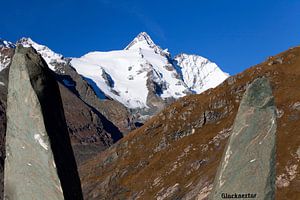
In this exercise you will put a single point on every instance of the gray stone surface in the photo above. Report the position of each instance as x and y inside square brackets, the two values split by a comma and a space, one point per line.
[39, 160]
[248, 164]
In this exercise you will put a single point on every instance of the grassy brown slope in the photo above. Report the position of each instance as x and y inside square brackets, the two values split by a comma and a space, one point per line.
[175, 155]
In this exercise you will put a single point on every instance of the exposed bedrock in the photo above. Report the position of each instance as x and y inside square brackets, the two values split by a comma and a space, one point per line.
[247, 168]
[39, 159]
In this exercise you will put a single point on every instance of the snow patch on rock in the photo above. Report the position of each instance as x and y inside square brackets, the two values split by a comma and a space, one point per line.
[40, 140]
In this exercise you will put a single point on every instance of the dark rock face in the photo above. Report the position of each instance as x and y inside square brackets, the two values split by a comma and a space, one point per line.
[248, 165]
[153, 99]
[2, 146]
[39, 159]
[7, 54]
[90, 131]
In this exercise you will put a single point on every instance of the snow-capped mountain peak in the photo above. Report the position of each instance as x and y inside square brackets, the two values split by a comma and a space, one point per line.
[6, 44]
[134, 74]
[5, 53]
[143, 75]
[49, 56]
[144, 41]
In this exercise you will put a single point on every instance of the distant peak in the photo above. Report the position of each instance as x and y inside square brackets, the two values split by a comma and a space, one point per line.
[144, 36]
[49, 56]
[26, 42]
[25, 39]
[142, 40]
[7, 44]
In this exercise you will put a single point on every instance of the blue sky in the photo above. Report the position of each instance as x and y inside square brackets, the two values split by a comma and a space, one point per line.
[233, 33]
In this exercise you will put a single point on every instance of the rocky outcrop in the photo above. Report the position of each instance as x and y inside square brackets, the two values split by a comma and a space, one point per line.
[247, 168]
[154, 101]
[39, 159]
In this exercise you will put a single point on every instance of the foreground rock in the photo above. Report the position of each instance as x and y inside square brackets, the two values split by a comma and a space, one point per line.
[39, 159]
[248, 166]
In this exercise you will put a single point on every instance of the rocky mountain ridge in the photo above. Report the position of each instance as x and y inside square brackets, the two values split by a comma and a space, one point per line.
[143, 76]
[141, 79]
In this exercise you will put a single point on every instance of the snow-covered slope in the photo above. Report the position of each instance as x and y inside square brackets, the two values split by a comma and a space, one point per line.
[5, 53]
[49, 56]
[131, 75]
[6, 44]
[199, 73]
[126, 75]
